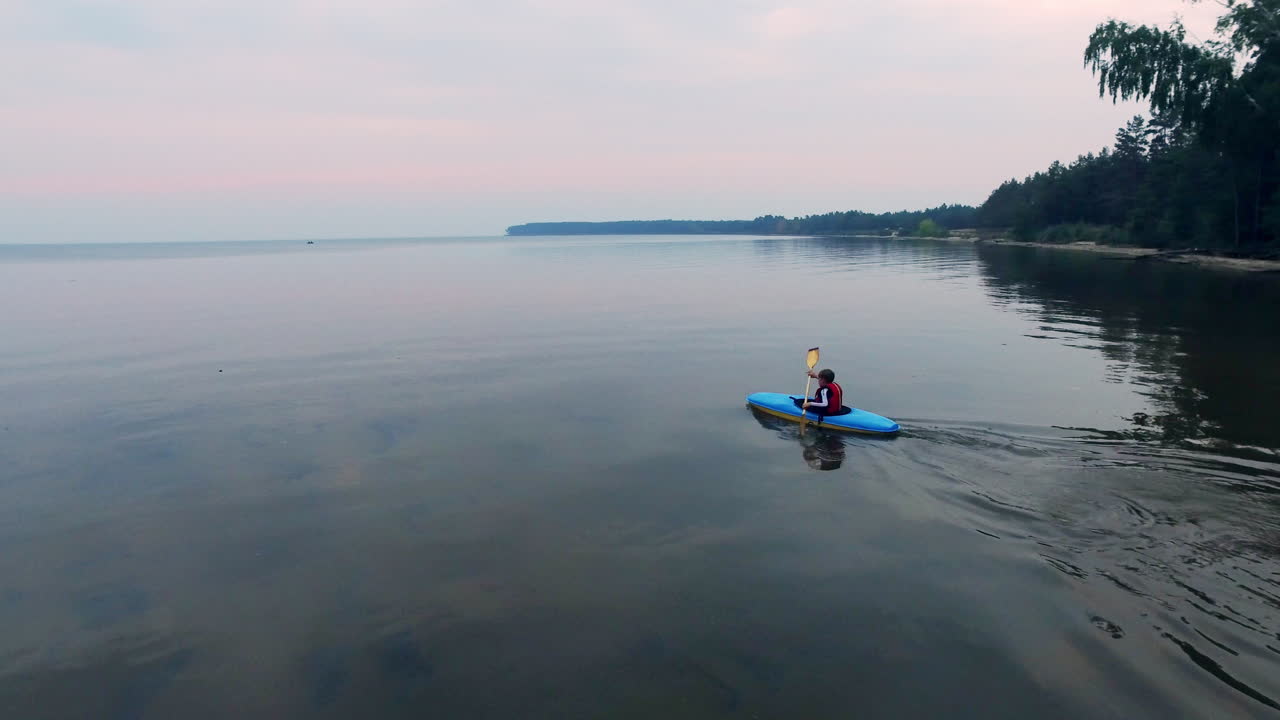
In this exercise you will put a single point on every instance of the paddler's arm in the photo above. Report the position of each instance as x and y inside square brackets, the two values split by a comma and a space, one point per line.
[813, 375]
[826, 400]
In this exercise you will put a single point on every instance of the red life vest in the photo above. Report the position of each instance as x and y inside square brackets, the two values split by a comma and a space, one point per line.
[835, 399]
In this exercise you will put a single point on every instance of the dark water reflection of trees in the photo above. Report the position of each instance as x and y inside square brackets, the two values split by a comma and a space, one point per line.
[1204, 345]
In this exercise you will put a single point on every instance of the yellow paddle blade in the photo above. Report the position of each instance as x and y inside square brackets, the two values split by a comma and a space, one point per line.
[813, 358]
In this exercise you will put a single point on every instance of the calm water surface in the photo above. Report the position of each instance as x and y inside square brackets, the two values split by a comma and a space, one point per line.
[516, 478]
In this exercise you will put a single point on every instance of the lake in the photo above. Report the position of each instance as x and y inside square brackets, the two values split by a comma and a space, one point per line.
[495, 478]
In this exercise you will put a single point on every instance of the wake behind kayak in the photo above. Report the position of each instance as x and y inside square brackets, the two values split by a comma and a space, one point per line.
[859, 421]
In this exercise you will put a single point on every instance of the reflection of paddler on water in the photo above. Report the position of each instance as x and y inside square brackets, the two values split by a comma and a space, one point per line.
[823, 451]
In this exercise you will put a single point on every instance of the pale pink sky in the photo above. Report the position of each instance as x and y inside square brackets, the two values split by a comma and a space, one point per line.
[232, 119]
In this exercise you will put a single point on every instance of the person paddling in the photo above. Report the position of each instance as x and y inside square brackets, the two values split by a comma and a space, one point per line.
[828, 401]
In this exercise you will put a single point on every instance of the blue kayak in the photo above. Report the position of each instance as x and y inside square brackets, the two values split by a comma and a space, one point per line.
[859, 421]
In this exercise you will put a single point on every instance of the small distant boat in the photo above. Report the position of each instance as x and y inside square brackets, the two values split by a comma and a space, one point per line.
[859, 421]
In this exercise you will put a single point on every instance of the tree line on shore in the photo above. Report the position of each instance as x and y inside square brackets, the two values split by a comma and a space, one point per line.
[931, 222]
[1202, 171]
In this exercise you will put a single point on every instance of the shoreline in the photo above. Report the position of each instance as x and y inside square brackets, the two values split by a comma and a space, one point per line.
[1180, 257]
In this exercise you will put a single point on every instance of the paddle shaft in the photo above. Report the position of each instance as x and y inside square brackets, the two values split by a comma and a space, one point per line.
[812, 361]
[802, 404]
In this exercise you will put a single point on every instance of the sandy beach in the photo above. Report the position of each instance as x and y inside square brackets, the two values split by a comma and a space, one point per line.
[1186, 258]
[1136, 253]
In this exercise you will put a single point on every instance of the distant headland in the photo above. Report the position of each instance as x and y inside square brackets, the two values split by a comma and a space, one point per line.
[932, 222]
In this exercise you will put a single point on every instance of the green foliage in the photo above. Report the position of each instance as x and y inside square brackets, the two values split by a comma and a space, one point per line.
[1147, 63]
[1083, 232]
[1160, 189]
[929, 228]
[1204, 171]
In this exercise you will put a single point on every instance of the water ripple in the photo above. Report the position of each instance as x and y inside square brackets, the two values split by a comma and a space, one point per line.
[1170, 531]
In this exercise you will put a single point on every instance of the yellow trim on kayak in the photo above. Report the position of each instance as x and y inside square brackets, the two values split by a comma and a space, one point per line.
[824, 426]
